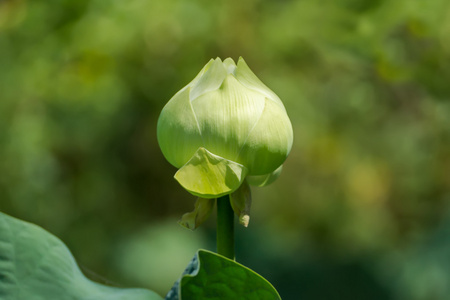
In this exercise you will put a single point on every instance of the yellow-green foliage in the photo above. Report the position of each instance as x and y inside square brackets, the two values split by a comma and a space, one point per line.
[365, 84]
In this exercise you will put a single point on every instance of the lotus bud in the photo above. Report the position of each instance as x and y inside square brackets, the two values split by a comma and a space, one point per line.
[223, 127]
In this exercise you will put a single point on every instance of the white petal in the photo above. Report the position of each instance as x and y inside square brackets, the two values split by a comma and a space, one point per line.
[230, 65]
[226, 117]
[177, 130]
[210, 80]
[270, 141]
[202, 71]
[245, 76]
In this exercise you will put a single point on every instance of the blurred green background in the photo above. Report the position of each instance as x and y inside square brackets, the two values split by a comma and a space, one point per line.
[361, 210]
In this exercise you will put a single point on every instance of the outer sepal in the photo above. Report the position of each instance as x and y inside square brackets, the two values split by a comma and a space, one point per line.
[207, 175]
[202, 211]
[241, 201]
[263, 180]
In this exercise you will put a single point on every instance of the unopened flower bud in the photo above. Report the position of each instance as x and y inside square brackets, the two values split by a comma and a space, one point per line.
[223, 126]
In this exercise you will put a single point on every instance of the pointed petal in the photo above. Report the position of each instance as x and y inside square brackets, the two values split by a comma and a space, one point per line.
[246, 76]
[210, 176]
[177, 130]
[241, 201]
[201, 212]
[226, 117]
[211, 79]
[274, 130]
[263, 180]
[202, 71]
[230, 65]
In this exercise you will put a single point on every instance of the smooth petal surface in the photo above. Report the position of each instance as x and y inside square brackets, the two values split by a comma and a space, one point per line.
[230, 66]
[226, 117]
[247, 78]
[211, 80]
[270, 141]
[210, 176]
[229, 111]
[178, 133]
[200, 74]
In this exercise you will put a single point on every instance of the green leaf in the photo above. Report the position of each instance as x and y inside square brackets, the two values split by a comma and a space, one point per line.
[207, 175]
[210, 276]
[36, 265]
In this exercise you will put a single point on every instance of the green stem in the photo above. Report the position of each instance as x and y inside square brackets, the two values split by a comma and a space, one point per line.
[225, 227]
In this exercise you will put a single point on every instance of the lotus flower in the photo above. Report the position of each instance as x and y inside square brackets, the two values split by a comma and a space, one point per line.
[224, 128]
